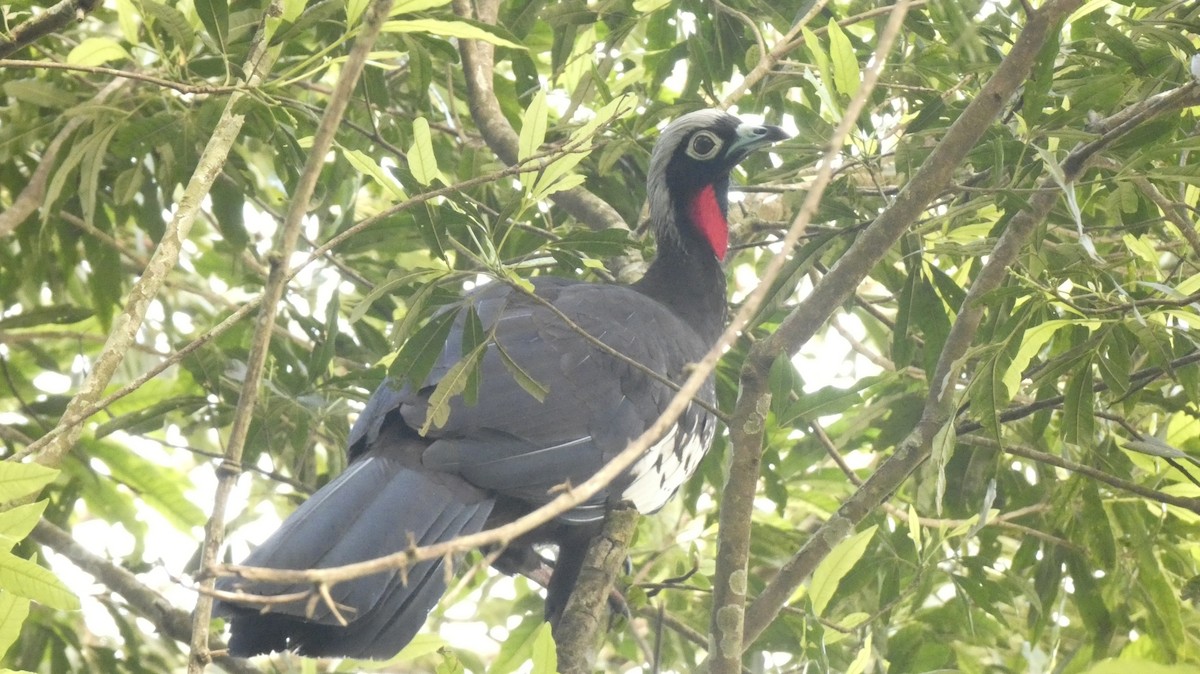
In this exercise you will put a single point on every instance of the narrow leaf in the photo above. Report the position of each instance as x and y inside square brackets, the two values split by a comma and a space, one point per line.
[840, 561]
[1031, 343]
[214, 14]
[1079, 420]
[845, 64]
[354, 11]
[422, 162]
[406, 6]
[526, 382]
[453, 383]
[94, 51]
[533, 127]
[25, 579]
[458, 29]
[420, 352]
[365, 164]
[23, 479]
[544, 656]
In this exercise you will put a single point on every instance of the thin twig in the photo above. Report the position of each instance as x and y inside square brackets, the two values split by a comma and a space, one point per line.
[123, 74]
[730, 582]
[276, 283]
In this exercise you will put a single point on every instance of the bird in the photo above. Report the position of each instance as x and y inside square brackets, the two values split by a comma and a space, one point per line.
[508, 451]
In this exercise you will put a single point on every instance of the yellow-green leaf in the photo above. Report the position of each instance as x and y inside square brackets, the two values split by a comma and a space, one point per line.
[1031, 342]
[94, 51]
[407, 6]
[16, 523]
[835, 566]
[354, 11]
[22, 479]
[544, 656]
[26, 579]
[458, 29]
[845, 64]
[453, 383]
[523, 379]
[13, 611]
[421, 160]
[365, 164]
[533, 127]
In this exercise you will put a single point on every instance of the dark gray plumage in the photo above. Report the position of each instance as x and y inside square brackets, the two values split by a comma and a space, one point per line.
[505, 455]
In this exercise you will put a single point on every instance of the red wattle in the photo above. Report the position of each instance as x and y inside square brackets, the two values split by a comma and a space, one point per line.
[707, 216]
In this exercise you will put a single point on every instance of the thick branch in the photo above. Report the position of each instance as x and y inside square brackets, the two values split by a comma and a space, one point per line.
[45, 23]
[586, 614]
[754, 400]
[478, 66]
[149, 604]
[940, 407]
[272, 293]
[162, 262]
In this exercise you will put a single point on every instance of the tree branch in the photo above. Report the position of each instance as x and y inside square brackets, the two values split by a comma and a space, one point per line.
[162, 262]
[730, 580]
[478, 68]
[586, 613]
[149, 604]
[930, 180]
[277, 279]
[45, 23]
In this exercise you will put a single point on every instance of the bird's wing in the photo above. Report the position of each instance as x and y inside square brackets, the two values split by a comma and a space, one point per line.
[594, 404]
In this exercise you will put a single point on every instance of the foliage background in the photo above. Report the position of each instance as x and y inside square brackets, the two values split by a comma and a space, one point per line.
[1055, 526]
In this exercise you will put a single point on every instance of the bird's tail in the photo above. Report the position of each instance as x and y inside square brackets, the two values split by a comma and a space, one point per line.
[379, 506]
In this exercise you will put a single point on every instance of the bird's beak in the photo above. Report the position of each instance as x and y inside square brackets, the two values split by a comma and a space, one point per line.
[750, 137]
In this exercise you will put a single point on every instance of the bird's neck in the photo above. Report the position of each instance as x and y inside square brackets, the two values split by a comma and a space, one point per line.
[686, 274]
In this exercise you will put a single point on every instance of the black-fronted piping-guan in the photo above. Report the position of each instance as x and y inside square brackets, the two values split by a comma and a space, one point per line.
[506, 454]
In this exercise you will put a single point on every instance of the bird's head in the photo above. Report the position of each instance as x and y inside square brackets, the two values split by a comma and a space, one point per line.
[688, 180]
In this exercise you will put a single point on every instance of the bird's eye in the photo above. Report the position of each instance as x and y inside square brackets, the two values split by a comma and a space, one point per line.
[704, 145]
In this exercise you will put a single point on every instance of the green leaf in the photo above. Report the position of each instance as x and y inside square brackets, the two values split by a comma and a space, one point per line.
[214, 14]
[407, 6]
[517, 649]
[94, 151]
[835, 566]
[453, 383]
[365, 164]
[16, 523]
[523, 379]
[618, 108]
[533, 127]
[1031, 343]
[543, 654]
[94, 51]
[36, 92]
[25, 579]
[324, 351]
[150, 417]
[1132, 665]
[422, 162]
[13, 611]
[1079, 418]
[354, 11]
[160, 487]
[22, 479]
[59, 314]
[819, 57]
[420, 352]
[457, 29]
[170, 21]
[845, 63]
